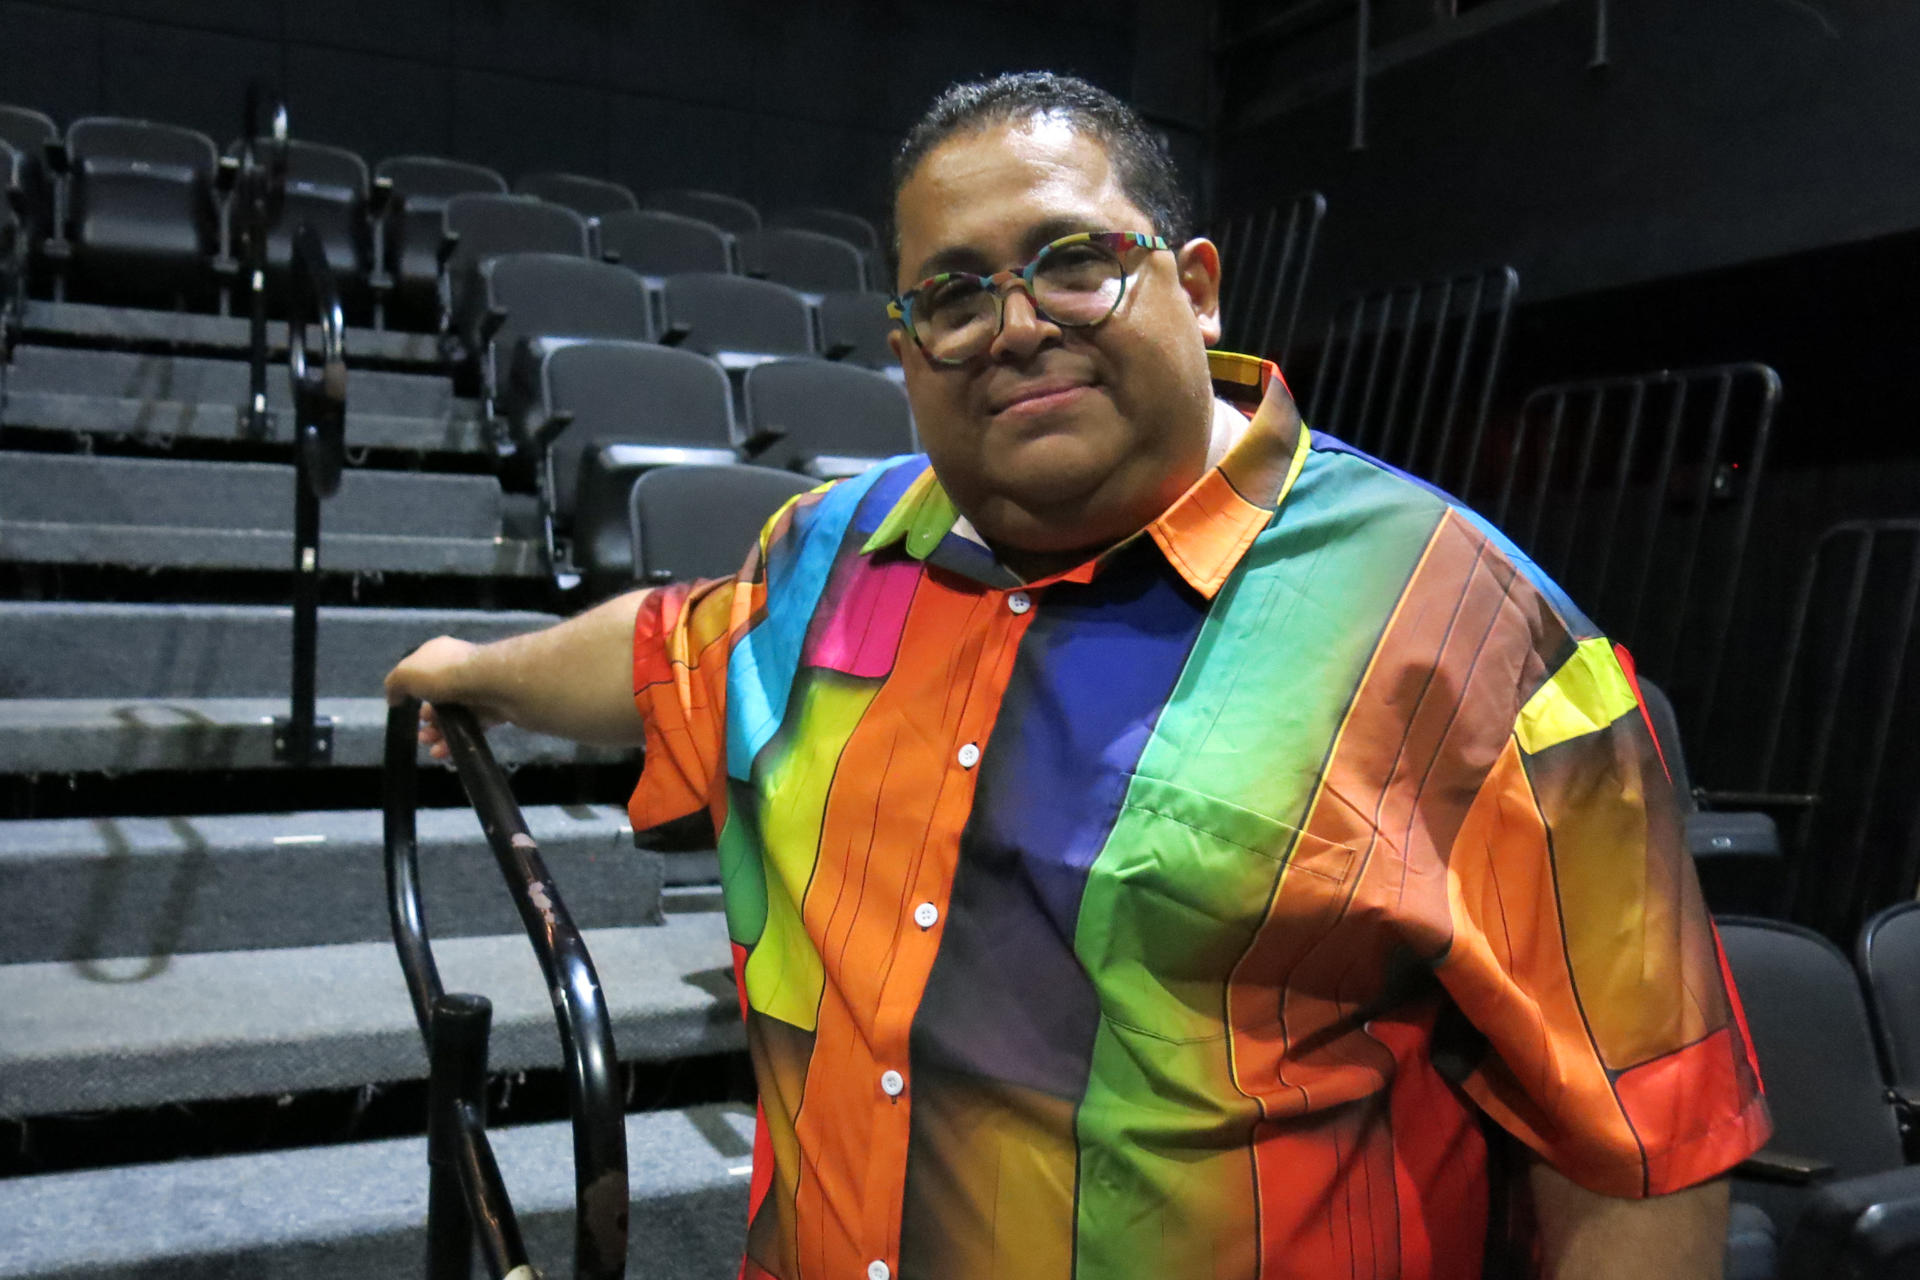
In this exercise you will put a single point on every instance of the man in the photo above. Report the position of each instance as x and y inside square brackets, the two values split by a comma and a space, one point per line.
[1154, 836]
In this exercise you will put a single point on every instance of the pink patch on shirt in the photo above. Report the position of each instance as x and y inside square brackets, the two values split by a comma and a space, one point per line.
[861, 631]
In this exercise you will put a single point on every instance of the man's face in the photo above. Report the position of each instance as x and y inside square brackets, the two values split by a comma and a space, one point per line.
[1056, 439]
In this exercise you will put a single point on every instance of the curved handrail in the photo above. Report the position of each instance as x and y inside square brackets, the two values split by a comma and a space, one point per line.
[580, 1009]
[319, 395]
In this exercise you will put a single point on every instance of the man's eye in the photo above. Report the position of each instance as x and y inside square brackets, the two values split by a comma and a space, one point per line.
[952, 293]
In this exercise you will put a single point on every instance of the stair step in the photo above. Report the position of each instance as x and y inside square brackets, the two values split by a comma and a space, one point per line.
[90, 889]
[358, 1211]
[150, 1031]
[131, 735]
[159, 397]
[179, 330]
[157, 651]
[160, 513]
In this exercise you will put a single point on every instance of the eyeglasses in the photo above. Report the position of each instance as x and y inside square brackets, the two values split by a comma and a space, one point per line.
[1075, 282]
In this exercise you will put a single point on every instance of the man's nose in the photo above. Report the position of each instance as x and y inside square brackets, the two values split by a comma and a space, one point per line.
[1023, 330]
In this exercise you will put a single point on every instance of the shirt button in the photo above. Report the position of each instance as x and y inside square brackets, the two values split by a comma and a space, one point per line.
[877, 1270]
[926, 915]
[892, 1083]
[1019, 602]
[969, 756]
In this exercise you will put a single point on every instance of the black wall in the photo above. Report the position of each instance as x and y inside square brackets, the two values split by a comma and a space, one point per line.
[782, 103]
[1722, 132]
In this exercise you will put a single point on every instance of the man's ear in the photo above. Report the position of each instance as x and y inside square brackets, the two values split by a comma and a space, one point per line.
[896, 341]
[1199, 264]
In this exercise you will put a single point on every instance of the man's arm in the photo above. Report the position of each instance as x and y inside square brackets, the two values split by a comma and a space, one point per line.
[573, 680]
[1588, 1236]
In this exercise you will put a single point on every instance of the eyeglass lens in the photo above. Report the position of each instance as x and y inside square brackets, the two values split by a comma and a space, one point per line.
[1073, 285]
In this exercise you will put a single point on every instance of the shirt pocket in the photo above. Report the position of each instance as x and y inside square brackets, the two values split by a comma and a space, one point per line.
[1177, 894]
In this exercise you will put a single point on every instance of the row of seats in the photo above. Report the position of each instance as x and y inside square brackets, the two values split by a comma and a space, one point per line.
[511, 310]
[132, 211]
[1838, 1045]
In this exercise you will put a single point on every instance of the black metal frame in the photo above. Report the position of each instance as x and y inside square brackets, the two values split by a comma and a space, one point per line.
[1467, 315]
[1254, 298]
[467, 1198]
[319, 454]
[1815, 695]
[1676, 472]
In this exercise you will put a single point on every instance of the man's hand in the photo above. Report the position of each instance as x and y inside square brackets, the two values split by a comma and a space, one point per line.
[1588, 1236]
[432, 672]
[572, 680]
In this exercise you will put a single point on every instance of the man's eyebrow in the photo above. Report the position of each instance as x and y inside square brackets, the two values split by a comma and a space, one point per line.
[969, 259]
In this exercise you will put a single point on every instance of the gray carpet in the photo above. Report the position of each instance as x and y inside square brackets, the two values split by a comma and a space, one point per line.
[95, 888]
[142, 1032]
[358, 1212]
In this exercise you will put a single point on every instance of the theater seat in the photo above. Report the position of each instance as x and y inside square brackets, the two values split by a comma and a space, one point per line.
[699, 522]
[851, 227]
[534, 302]
[490, 225]
[737, 321]
[823, 419]
[142, 220]
[416, 223]
[854, 328]
[809, 261]
[654, 243]
[327, 190]
[1737, 853]
[588, 197]
[609, 411]
[729, 213]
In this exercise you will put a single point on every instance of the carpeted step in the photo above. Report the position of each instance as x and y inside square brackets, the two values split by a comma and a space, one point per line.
[358, 1211]
[157, 397]
[164, 514]
[146, 1031]
[86, 889]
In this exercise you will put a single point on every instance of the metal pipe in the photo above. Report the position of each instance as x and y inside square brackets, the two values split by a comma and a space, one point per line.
[580, 1010]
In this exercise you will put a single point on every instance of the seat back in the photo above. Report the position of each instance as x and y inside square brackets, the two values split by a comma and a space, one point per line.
[699, 522]
[631, 392]
[1814, 1043]
[326, 190]
[1666, 735]
[830, 418]
[851, 227]
[809, 261]
[1888, 954]
[433, 180]
[719, 314]
[729, 213]
[854, 326]
[28, 130]
[653, 242]
[557, 295]
[588, 197]
[26, 133]
[141, 205]
[422, 185]
[490, 225]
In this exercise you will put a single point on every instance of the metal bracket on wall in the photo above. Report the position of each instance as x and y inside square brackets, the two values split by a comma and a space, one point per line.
[1600, 53]
[322, 740]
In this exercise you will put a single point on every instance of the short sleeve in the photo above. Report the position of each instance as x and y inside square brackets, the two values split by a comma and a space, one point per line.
[1584, 953]
[681, 638]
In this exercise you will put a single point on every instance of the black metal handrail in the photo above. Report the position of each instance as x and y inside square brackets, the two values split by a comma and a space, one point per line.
[261, 191]
[319, 454]
[466, 1196]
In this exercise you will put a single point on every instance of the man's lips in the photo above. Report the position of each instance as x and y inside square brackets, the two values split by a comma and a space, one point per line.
[1038, 397]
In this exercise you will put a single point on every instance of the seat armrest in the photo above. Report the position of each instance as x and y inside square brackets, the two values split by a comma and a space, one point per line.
[1771, 1165]
[1861, 1226]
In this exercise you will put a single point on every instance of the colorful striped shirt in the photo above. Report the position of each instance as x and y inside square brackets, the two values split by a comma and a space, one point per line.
[1183, 914]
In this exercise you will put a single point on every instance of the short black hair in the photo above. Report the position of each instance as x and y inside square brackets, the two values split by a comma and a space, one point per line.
[1140, 159]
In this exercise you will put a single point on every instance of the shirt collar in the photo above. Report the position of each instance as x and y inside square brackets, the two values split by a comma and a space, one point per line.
[1208, 529]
